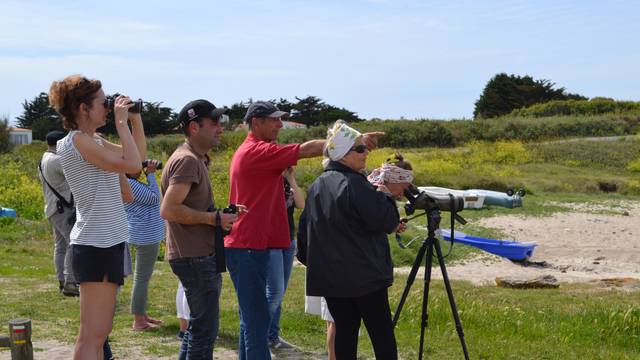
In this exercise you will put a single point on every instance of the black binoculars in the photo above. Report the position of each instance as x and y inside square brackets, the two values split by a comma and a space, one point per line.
[146, 163]
[110, 101]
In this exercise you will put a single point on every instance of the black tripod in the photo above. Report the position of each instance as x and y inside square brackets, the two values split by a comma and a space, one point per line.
[428, 245]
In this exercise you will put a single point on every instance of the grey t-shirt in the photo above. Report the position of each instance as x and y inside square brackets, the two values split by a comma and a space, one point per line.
[52, 170]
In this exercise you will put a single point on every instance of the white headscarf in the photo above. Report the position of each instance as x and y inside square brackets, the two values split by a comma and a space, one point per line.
[340, 139]
[391, 174]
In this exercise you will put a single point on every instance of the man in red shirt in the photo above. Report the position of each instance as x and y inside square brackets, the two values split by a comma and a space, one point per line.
[256, 182]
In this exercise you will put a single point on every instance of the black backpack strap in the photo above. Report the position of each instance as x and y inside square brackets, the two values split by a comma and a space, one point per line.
[221, 265]
[64, 202]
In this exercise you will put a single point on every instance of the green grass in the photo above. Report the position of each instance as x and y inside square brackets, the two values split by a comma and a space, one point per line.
[574, 322]
[577, 321]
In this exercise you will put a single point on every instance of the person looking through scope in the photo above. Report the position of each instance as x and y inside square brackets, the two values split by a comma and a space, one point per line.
[346, 221]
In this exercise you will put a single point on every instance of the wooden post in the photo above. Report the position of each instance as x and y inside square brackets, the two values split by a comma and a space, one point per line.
[20, 337]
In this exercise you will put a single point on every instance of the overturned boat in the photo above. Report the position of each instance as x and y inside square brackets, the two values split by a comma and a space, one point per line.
[512, 250]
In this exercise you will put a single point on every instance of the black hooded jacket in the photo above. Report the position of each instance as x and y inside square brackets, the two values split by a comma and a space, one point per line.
[346, 222]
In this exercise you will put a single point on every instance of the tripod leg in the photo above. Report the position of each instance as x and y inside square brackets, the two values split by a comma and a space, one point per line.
[452, 300]
[425, 295]
[412, 276]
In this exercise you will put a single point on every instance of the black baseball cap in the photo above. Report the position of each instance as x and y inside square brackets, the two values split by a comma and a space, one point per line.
[263, 109]
[197, 109]
[55, 135]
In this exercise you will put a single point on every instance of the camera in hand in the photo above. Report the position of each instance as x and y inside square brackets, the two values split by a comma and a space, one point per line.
[231, 209]
[110, 101]
[145, 163]
[424, 200]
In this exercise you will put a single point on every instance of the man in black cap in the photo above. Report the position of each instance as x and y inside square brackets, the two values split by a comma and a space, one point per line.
[256, 181]
[60, 211]
[191, 218]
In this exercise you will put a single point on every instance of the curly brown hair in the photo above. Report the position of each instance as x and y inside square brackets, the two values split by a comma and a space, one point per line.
[67, 94]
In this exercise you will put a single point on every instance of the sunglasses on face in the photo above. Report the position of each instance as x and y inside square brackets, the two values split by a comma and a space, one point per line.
[360, 149]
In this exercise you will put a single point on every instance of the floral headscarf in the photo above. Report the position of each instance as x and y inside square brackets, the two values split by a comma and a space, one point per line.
[391, 174]
[340, 139]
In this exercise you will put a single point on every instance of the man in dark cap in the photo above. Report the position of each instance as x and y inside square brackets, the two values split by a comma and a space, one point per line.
[192, 219]
[256, 181]
[60, 211]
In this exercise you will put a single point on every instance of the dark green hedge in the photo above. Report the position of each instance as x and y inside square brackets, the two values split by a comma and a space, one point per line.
[439, 133]
[595, 106]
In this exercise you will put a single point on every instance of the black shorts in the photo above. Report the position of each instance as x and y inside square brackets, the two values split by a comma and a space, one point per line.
[91, 264]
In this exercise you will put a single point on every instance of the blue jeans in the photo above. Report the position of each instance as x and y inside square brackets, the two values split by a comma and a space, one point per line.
[248, 269]
[278, 274]
[202, 286]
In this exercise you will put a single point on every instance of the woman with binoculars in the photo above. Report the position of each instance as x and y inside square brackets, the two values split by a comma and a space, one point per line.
[92, 166]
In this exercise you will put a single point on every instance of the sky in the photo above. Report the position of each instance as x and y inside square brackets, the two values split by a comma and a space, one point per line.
[379, 58]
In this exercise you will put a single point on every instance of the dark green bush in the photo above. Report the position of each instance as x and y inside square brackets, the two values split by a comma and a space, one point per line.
[5, 144]
[440, 133]
[595, 106]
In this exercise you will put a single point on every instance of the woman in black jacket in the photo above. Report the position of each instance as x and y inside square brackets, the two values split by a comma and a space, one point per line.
[347, 220]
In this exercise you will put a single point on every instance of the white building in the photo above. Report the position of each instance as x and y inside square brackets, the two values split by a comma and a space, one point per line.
[18, 136]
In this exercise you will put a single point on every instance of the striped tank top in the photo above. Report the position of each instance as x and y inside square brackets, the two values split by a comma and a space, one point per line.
[100, 217]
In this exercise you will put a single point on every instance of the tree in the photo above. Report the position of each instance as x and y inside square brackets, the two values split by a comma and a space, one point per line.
[307, 109]
[310, 111]
[39, 117]
[237, 112]
[5, 144]
[313, 111]
[505, 93]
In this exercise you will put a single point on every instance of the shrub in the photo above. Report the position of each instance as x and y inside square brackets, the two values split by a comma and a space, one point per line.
[5, 144]
[20, 191]
[634, 165]
[595, 106]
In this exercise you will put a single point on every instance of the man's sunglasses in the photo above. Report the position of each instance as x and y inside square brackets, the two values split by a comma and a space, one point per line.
[360, 149]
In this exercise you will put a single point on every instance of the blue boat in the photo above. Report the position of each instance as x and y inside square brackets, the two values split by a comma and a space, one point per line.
[6, 212]
[512, 250]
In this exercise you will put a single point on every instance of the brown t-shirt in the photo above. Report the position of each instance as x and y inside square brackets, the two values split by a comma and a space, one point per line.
[186, 166]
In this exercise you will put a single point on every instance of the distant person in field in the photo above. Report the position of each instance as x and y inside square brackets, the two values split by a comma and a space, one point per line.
[256, 181]
[92, 166]
[192, 219]
[60, 210]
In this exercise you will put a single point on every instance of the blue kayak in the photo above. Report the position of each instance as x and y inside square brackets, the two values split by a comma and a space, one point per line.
[6, 212]
[512, 250]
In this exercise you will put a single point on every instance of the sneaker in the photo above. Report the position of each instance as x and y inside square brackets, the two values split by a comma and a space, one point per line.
[280, 344]
[71, 289]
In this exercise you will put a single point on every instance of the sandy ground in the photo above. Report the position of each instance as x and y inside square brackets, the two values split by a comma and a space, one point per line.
[53, 350]
[591, 243]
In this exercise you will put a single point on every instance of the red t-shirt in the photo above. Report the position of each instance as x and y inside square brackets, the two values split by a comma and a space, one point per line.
[256, 182]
